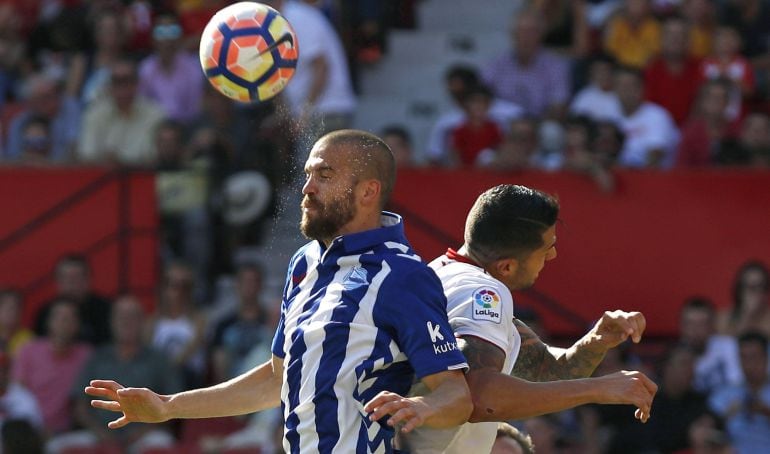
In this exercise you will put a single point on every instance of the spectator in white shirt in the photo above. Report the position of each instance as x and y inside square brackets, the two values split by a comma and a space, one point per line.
[119, 128]
[651, 135]
[717, 363]
[597, 100]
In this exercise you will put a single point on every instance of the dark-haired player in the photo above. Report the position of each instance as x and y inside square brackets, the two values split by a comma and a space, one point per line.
[510, 233]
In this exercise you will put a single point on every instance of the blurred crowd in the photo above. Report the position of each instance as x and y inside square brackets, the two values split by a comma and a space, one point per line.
[118, 84]
[583, 86]
[588, 85]
[714, 375]
[79, 335]
[713, 378]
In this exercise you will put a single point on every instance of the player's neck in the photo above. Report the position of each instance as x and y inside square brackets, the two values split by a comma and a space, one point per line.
[469, 256]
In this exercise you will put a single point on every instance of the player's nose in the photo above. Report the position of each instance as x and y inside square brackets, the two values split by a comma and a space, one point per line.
[309, 186]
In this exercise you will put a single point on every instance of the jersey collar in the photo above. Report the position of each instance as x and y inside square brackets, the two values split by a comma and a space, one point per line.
[454, 255]
[392, 230]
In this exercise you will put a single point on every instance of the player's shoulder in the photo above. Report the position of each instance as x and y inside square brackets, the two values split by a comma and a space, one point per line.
[399, 257]
[460, 272]
[475, 286]
[464, 281]
[407, 270]
[309, 248]
[308, 251]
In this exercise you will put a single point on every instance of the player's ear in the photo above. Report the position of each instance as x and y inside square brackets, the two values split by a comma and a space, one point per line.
[506, 267]
[370, 191]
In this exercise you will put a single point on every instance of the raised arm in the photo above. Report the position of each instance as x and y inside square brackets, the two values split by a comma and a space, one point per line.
[538, 361]
[256, 390]
[500, 397]
[448, 404]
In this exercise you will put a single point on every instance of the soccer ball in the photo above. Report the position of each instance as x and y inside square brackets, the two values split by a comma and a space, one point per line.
[248, 51]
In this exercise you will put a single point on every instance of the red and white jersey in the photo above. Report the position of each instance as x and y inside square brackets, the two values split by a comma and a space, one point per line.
[481, 306]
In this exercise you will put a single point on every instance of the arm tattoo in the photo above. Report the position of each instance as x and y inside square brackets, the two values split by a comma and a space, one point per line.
[481, 354]
[532, 355]
[540, 362]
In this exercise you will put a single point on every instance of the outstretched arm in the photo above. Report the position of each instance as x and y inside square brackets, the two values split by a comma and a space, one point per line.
[258, 389]
[500, 397]
[448, 404]
[538, 361]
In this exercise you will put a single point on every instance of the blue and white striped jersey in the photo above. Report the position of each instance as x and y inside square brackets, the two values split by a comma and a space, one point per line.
[362, 316]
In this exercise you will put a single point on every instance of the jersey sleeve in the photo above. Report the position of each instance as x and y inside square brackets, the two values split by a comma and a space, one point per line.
[278, 338]
[414, 312]
[483, 310]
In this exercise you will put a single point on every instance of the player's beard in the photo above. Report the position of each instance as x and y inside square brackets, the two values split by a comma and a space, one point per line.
[324, 223]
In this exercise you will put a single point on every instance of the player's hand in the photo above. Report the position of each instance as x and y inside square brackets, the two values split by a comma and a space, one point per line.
[411, 412]
[136, 404]
[617, 326]
[628, 387]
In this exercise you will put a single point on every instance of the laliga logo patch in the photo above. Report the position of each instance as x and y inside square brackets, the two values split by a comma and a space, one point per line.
[486, 305]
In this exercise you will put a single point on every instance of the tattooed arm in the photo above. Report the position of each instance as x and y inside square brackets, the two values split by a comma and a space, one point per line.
[500, 397]
[481, 354]
[538, 361]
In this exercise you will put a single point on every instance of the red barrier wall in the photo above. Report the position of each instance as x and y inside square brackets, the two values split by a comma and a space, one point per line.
[110, 216]
[658, 239]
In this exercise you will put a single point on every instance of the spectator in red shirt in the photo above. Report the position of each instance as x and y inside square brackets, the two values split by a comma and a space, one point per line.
[705, 131]
[671, 79]
[479, 133]
[728, 62]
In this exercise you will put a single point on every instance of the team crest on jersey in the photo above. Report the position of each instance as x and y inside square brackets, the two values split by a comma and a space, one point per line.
[486, 305]
[355, 278]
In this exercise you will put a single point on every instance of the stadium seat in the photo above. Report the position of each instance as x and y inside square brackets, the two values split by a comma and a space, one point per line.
[416, 114]
[407, 85]
[450, 15]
